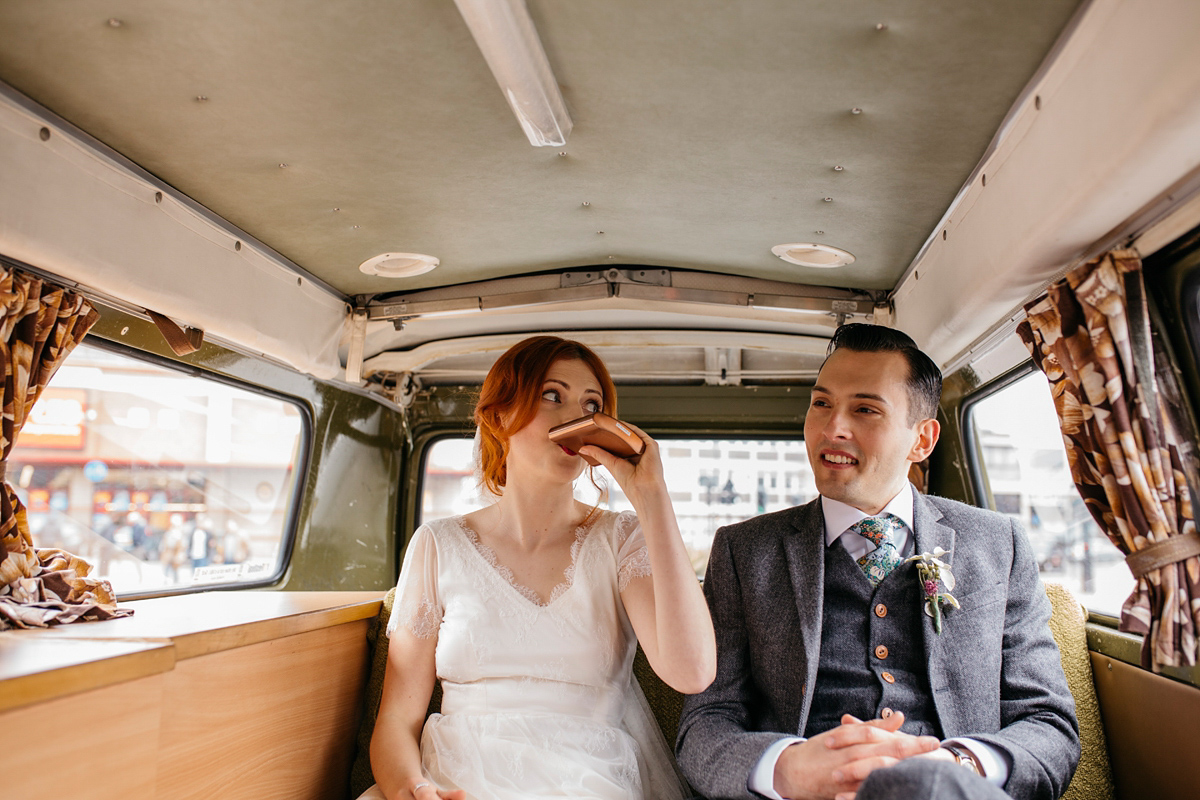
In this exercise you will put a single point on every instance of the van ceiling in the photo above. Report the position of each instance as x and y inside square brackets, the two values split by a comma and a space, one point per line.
[705, 132]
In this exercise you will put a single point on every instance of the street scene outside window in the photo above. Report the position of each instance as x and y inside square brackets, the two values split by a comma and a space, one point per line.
[158, 479]
[713, 482]
[1024, 465]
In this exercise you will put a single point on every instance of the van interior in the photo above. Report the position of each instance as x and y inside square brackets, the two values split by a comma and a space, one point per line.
[309, 229]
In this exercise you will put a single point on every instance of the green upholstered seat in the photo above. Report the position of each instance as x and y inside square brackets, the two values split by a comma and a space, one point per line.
[1093, 779]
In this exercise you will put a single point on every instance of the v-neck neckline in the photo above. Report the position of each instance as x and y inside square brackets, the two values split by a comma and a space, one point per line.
[488, 555]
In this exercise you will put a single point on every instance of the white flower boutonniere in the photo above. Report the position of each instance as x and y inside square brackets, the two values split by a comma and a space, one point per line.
[932, 571]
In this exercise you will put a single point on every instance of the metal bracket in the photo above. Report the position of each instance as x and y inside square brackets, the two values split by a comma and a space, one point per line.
[650, 277]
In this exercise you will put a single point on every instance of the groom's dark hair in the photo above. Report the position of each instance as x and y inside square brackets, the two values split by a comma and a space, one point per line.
[924, 377]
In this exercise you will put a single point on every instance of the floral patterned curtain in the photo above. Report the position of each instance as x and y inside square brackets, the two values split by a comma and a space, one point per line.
[39, 325]
[1090, 335]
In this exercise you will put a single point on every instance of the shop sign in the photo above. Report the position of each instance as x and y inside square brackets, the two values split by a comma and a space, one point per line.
[57, 420]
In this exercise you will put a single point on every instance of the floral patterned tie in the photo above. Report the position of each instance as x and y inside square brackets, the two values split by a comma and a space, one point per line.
[878, 563]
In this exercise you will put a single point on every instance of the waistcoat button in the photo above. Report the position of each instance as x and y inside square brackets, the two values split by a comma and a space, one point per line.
[880, 610]
[889, 677]
[881, 651]
[887, 712]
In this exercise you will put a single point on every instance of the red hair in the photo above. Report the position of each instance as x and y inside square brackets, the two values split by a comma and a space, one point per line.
[511, 393]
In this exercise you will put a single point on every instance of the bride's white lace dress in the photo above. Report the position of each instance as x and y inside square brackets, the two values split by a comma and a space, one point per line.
[538, 700]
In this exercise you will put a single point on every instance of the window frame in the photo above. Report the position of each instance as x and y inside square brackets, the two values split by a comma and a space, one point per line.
[287, 540]
[972, 454]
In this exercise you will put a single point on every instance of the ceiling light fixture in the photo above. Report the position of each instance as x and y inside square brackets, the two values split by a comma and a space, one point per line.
[505, 34]
[806, 254]
[398, 265]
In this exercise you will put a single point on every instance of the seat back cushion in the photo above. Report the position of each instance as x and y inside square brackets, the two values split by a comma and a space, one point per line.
[1093, 779]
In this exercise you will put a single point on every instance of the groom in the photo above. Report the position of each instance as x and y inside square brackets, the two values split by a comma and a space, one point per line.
[831, 677]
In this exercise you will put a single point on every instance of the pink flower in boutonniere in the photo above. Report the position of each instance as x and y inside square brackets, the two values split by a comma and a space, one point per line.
[931, 571]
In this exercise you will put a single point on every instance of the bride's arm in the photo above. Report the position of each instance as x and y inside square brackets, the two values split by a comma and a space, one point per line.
[396, 743]
[666, 608]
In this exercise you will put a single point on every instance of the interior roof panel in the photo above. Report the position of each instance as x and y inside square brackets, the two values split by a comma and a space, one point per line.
[705, 132]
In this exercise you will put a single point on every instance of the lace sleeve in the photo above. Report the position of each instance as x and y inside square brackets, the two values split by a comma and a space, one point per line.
[417, 606]
[632, 559]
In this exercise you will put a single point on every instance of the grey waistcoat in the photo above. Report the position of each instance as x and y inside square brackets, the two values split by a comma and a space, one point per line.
[852, 675]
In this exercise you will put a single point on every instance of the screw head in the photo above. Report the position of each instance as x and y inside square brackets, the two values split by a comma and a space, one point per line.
[44, 134]
[828, 199]
[838, 168]
[113, 22]
[881, 26]
[200, 98]
[562, 153]
[283, 166]
[819, 233]
[586, 204]
[856, 110]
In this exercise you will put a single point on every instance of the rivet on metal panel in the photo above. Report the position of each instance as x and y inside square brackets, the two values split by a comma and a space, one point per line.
[838, 168]
[856, 110]
[828, 199]
[562, 153]
[881, 26]
[44, 133]
[125, 330]
[113, 22]
[586, 204]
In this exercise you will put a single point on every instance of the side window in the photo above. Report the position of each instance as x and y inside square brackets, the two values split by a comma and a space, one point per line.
[713, 482]
[159, 479]
[1023, 470]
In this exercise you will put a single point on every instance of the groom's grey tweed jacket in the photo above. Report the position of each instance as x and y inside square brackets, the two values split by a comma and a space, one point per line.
[994, 672]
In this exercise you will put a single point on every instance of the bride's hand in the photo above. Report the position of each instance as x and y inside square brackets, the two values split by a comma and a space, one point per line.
[642, 481]
[426, 790]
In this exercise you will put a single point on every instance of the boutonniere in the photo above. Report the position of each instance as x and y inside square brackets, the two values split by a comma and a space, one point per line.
[932, 571]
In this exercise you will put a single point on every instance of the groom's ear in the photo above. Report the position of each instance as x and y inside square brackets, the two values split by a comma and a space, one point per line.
[928, 431]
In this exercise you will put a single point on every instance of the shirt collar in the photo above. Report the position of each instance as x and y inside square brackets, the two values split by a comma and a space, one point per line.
[839, 516]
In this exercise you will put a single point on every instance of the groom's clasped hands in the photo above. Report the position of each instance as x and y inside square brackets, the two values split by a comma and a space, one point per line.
[833, 764]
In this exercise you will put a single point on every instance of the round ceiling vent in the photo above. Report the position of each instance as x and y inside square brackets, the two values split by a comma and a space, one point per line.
[398, 265]
[806, 254]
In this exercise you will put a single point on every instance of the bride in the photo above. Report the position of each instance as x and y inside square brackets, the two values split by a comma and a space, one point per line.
[527, 611]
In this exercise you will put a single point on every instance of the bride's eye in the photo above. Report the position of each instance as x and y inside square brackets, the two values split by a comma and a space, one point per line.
[592, 406]
[551, 395]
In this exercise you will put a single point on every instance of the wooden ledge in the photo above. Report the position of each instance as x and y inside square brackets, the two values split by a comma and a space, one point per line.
[42, 664]
[33, 669]
[213, 621]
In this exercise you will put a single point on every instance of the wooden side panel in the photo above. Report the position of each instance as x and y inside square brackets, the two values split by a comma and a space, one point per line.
[274, 719]
[1151, 723]
[101, 744]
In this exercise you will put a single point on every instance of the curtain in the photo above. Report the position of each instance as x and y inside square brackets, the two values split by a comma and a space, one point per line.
[41, 324]
[1090, 335]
